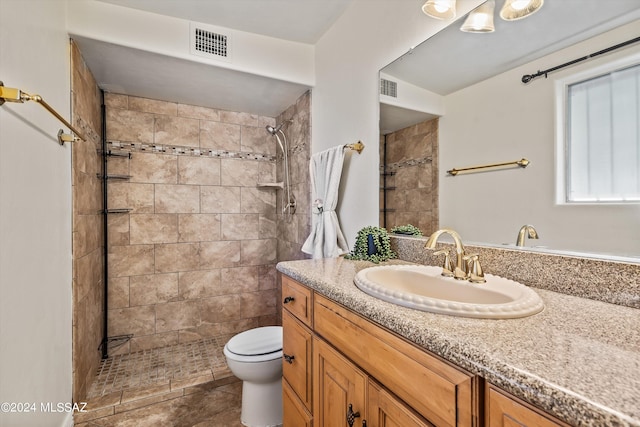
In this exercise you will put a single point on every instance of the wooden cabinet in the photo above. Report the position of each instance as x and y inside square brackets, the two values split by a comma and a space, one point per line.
[508, 411]
[339, 388]
[336, 361]
[384, 410]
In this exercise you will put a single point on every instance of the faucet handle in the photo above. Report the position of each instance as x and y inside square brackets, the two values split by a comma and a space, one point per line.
[447, 266]
[476, 275]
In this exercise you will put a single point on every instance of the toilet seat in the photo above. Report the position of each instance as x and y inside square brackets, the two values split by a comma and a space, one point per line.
[256, 345]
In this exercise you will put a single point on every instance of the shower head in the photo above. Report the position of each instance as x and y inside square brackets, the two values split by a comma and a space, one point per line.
[273, 130]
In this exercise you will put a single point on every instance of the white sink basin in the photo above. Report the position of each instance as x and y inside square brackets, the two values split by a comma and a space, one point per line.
[423, 288]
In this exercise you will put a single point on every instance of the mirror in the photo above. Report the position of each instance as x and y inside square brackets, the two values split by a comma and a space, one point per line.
[485, 114]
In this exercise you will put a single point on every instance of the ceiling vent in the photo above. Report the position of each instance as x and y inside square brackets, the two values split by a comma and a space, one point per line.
[210, 42]
[389, 88]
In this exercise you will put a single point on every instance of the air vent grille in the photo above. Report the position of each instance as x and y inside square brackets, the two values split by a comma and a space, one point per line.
[210, 42]
[389, 88]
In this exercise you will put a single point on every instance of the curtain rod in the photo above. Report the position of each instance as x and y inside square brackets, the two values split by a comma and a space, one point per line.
[528, 77]
[356, 146]
[16, 95]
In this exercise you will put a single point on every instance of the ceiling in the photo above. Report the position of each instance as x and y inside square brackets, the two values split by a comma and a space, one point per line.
[302, 21]
[125, 70]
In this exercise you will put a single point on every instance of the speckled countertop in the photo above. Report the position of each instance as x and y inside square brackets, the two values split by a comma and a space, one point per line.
[578, 359]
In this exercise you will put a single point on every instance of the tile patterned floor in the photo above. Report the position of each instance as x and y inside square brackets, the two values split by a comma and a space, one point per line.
[161, 365]
[184, 385]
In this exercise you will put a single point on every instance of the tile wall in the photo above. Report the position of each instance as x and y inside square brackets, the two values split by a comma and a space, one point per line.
[412, 155]
[88, 255]
[195, 257]
[294, 229]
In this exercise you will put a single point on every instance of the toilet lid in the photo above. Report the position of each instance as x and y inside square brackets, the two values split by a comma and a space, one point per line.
[257, 341]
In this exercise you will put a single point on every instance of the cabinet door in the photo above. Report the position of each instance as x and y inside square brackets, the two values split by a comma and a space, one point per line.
[296, 349]
[338, 385]
[294, 414]
[385, 410]
[504, 411]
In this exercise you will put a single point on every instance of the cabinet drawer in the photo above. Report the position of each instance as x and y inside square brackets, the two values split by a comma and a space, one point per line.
[296, 299]
[441, 393]
[296, 365]
[506, 411]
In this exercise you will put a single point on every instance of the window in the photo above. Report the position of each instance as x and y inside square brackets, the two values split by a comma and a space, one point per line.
[601, 153]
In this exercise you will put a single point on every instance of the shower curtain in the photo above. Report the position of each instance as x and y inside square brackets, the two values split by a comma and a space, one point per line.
[326, 239]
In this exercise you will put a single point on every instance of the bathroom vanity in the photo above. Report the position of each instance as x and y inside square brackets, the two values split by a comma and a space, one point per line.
[349, 355]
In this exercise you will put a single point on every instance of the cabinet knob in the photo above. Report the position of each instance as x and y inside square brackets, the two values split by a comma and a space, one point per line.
[288, 300]
[288, 359]
[351, 416]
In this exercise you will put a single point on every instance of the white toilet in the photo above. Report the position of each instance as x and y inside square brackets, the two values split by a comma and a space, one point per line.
[255, 357]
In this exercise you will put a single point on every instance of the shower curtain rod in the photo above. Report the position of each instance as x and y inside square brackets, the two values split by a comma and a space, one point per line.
[17, 95]
[528, 77]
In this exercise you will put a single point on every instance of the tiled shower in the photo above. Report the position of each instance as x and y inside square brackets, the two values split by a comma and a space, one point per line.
[193, 240]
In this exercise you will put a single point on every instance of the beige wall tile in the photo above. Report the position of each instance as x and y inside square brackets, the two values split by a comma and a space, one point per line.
[194, 112]
[118, 229]
[261, 303]
[177, 198]
[138, 197]
[130, 260]
[268, 277]
[177, 131]
[240, 226]
[199, 284]
[153, 228]
[258, 252]
[230, 327]
[239, 118]
[87, 189]
[219, 254]
[239, 280]
[244, 173]
[136, 320]
[198, 227]
[257, 200]
[219, 136]
[198, 170]
[87, 235]
[173, 316]
[117, 166]
[153, 106]
[88, 271]
[118, 292]
[220, 309]
[148, 342]
[220, 199]
[129, 126]
[269, 227]
[153, 289]
[154, 168]
[257, 140]
[177, 257]
[115, 100]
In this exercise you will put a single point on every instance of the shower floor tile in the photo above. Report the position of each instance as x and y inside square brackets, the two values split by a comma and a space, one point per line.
[171, 367]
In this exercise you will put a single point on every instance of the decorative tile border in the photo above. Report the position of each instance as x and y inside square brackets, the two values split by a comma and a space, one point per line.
[186, 151]
[391, 167]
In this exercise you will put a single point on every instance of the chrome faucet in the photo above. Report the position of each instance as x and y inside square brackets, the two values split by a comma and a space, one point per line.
[528, 231]
[460, 269]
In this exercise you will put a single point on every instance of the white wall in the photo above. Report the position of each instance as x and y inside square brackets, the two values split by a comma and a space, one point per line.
[501, 120]
[35, 214]
[368, 36]
[165, 35]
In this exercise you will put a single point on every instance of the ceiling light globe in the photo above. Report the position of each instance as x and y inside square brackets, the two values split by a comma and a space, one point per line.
[440, 9]
[519, 9]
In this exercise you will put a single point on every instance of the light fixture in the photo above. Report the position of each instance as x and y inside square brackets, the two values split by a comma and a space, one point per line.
[481, 19]
[518, 9]
[440, 9]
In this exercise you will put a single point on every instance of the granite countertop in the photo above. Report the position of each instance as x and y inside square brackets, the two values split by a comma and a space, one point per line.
[578, 359]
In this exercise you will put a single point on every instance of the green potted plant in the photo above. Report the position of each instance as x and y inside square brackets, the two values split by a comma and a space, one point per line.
[372, 244]
[408, 230]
